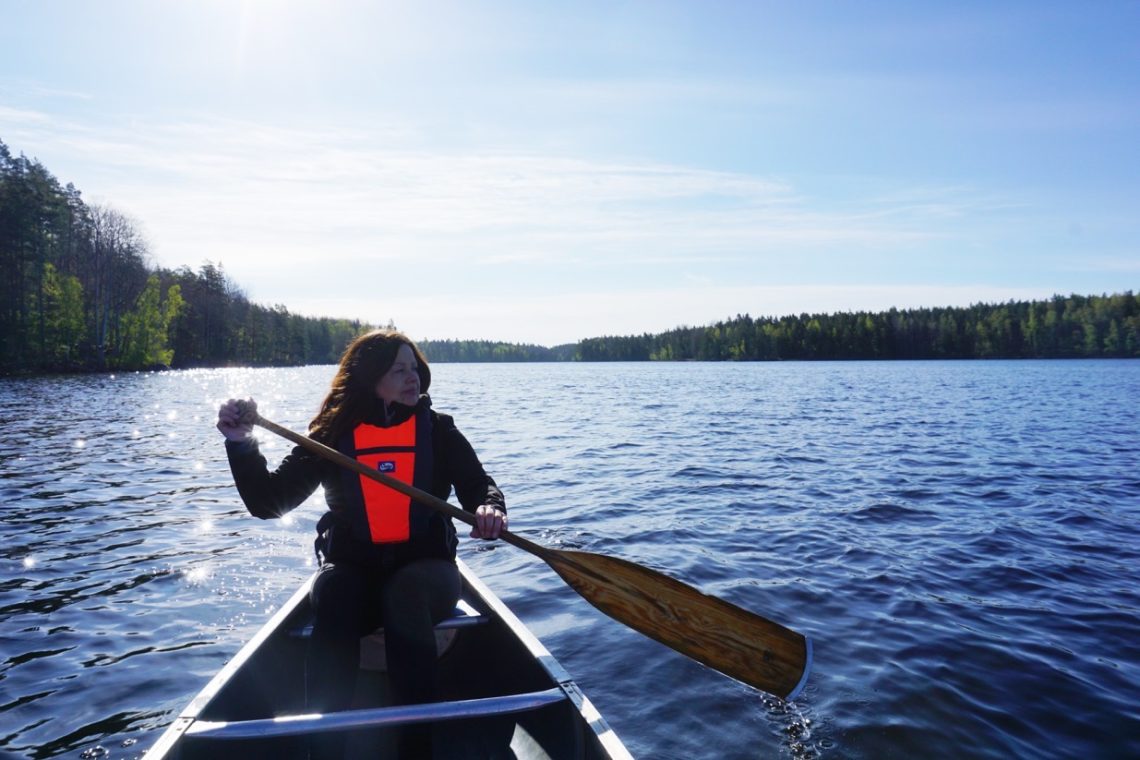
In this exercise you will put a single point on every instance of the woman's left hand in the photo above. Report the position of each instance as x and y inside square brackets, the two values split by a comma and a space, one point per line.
[489, 521]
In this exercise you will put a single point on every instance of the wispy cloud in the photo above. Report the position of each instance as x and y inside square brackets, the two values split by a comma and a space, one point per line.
[265, 187]
[326, 221]
[22, 117]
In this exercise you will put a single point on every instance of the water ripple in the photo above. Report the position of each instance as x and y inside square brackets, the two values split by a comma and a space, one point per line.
[960, 540]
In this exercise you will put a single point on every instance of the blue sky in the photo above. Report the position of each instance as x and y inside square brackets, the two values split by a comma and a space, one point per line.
[543, 172]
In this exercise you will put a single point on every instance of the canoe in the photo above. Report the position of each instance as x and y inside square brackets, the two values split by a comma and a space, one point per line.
[504, 695]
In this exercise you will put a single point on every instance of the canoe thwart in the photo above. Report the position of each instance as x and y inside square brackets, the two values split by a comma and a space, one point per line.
[294, 725]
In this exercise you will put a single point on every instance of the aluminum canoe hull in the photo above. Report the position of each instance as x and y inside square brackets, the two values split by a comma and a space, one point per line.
[503, 695]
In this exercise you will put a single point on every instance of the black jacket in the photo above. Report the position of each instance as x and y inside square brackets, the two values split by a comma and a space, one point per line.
[272, 494]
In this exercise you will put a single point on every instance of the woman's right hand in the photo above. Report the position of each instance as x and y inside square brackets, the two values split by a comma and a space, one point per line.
[230, 419]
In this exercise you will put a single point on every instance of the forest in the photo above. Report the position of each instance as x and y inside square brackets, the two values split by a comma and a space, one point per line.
[1063, 327]
[78, 293]
[494, 351]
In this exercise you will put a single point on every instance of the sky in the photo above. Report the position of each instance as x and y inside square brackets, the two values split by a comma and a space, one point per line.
[543, 172]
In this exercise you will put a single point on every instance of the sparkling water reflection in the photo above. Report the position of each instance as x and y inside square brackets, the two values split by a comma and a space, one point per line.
[959, 539]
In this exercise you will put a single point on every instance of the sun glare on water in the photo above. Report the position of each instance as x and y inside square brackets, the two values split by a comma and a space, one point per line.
[197, 574]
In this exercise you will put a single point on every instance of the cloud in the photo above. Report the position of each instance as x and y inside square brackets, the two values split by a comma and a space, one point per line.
[259, 194]
[513, 245]
[22, 117]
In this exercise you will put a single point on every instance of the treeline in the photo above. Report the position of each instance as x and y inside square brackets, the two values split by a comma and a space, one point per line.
[221, 327]
[77, 293]
[1063, 327]
[74, 288]
[492, 351]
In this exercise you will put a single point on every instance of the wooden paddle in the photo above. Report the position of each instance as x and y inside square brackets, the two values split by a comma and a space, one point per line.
[728, 639]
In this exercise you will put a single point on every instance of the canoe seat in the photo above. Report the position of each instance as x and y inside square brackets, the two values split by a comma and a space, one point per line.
[372, 656]
[462, 616]
[293, 725]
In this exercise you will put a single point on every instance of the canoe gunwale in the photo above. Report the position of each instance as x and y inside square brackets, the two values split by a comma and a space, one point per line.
[590, 714]
[202, 699]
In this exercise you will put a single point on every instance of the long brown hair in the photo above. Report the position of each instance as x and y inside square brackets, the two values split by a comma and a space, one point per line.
[353, 391]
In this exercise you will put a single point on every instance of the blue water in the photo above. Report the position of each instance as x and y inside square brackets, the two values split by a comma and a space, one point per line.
[959, 539]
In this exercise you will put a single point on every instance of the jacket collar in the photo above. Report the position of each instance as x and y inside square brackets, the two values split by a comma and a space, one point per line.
[396, 412]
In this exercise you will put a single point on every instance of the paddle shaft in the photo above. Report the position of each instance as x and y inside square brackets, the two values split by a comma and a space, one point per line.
[738, 643]
[422, 497]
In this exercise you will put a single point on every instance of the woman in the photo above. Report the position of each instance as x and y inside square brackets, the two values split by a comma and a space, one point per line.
[385, 560]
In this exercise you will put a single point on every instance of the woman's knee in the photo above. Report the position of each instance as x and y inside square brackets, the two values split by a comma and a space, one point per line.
[426, 586]
[338, 595]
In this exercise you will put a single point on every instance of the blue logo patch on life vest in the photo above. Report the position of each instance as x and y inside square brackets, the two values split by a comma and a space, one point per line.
[388, 466]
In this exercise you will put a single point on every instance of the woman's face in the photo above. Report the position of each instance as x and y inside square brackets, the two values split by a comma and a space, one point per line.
[401, 382]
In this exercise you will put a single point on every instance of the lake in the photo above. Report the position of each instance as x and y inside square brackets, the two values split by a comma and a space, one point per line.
[961, 540]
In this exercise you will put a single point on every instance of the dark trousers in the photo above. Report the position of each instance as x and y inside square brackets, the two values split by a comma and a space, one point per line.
[351, 602]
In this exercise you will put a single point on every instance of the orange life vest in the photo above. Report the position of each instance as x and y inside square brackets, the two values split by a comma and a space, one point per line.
[388, 515]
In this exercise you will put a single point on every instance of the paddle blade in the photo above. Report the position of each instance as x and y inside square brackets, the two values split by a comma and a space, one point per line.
[726, 638]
